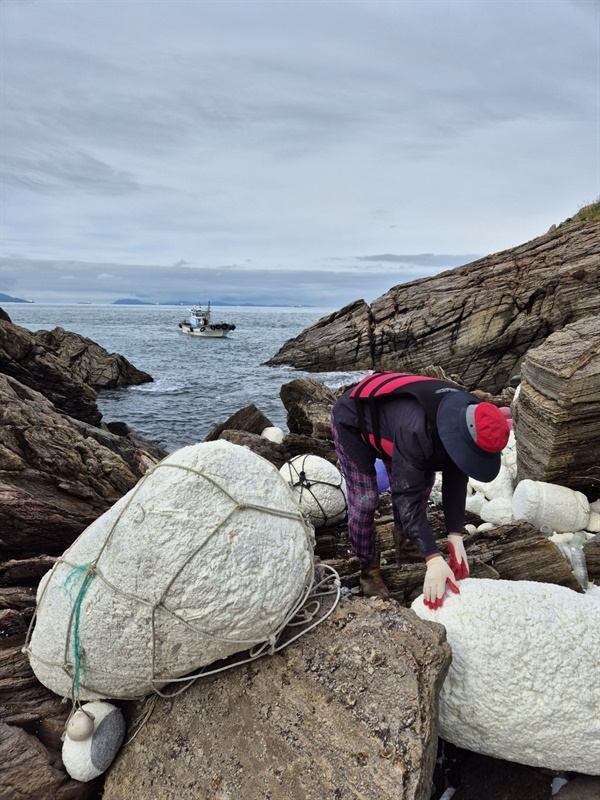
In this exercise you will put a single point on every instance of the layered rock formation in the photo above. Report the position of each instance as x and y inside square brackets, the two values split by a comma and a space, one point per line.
[478, 321]
[57, 474]
[558, 408]
[60, 468]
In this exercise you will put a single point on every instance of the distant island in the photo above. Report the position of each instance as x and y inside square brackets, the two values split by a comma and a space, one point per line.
[189, 303]
[6, 298]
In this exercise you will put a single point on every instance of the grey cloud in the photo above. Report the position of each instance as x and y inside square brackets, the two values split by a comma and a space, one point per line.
[432, 260]
[269, 131]
[64, 281]
[59, 169]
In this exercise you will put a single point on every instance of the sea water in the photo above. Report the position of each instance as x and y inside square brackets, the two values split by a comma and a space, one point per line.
[198, 383]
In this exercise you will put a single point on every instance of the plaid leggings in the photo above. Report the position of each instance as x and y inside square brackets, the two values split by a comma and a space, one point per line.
[363, 499]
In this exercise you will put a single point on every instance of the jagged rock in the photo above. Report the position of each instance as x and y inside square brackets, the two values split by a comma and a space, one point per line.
[248, 419]
[30, 771]
[295, 444]
[591, 552]
[24, 702]
[344, 337]
[272, 451]
[347, 710]
[308, 403]
[558, 407]
[21, 598]
[478, 320]
[12, 623]
[55, 478]
[90, 362]
[22, 357]
[25, 570]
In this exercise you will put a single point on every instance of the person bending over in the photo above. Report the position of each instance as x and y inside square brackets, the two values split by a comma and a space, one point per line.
[417, 426]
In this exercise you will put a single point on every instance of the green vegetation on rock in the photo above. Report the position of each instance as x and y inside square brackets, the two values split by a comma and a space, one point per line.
[587, 213]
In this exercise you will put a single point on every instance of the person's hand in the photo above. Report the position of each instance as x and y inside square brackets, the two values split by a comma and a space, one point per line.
[458, 557]
[437, 576]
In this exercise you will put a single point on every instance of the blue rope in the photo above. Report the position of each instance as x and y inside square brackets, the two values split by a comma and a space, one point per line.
[70, 580]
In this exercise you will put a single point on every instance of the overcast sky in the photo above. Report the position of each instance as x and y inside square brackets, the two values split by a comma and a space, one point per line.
[295, 151]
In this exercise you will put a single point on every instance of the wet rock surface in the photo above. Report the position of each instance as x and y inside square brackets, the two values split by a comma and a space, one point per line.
[90, 362]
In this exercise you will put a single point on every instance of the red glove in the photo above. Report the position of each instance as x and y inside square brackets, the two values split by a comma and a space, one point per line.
[438, 575]
[458, 557]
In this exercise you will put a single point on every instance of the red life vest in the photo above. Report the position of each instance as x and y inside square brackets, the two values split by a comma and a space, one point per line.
[428, 391]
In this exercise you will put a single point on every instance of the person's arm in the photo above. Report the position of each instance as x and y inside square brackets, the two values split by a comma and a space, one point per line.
[454, 494]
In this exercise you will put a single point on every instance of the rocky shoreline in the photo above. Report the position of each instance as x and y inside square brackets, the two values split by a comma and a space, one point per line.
[61, 467]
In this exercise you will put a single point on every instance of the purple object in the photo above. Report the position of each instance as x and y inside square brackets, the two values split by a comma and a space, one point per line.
[383, 481]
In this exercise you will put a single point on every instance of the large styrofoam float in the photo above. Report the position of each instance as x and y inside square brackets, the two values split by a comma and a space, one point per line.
[205, 557]
[559, 507]
[523, 684]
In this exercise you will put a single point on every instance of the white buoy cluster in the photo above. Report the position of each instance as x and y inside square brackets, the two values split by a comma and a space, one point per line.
[563, 514]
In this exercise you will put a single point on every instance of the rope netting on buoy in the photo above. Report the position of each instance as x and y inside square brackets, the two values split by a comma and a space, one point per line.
[316, 600]
[325, 507]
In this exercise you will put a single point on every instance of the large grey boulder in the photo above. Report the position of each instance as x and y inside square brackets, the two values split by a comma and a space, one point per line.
[348, 710]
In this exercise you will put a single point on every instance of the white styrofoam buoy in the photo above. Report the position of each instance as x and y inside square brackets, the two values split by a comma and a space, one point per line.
[86, 757]
[475, 502]
[501, 486]
[521, 685]
[558, 507]
[273, 434]
[509, 455]
[205, 557]
[319, 487]
[499, 511]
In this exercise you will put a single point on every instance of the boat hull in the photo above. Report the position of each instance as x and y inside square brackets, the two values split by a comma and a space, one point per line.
[205, 334]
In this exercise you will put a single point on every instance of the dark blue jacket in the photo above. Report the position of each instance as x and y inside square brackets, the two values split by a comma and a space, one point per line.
[417, 454]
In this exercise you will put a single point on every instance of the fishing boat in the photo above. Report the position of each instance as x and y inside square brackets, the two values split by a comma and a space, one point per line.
[200, 323]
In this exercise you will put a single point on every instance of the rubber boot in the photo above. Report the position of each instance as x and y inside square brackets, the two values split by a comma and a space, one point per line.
[371, 582]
